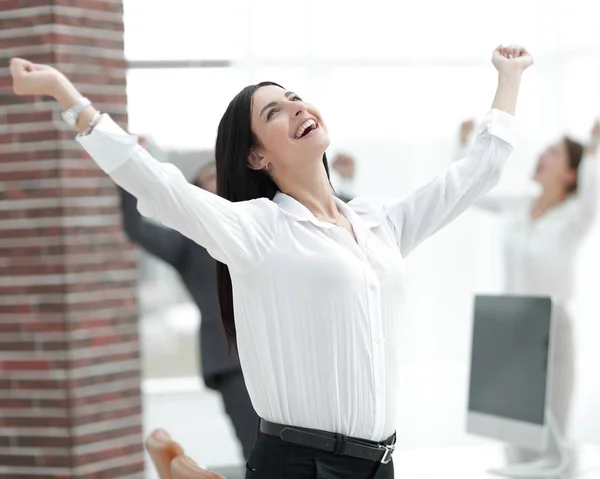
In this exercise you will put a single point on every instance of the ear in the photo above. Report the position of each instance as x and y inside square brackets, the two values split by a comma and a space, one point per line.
[256, 161]
[571, 177]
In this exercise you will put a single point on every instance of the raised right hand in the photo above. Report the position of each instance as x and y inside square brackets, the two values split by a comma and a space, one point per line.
[33, 79]
[466, 129]
[596, 132]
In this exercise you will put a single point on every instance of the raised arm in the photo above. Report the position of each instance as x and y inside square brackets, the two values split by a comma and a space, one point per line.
[588, 182]
[164, 243]
[443, 199]
[492, 202]
[237, 234]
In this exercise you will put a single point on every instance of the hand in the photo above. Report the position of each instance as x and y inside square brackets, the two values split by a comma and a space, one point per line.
[33, 79]
[143, 141]
[466, 129]
[595, 136]
[511, 59]
[594, 142]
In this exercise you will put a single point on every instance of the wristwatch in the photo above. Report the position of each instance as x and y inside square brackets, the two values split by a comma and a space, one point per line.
[70, 116]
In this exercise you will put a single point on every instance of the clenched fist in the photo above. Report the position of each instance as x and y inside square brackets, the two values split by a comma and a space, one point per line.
[33, 79]
[511, 59]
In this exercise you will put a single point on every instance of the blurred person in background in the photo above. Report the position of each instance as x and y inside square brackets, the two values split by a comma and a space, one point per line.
[343, 176]
[541, 236]
[221, 369]
[310, 288]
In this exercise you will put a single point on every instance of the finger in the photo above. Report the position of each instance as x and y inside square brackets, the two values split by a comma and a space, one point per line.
[162, 449]
[17, 66]
[184, 467]
[177, 449]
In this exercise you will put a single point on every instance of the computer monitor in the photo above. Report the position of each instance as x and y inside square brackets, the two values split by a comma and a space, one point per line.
[509, 369]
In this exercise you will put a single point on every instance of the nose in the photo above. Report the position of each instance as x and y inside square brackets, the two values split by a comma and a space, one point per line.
[299, 108]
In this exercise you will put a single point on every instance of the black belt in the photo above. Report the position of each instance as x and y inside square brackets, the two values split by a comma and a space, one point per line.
[331, 442]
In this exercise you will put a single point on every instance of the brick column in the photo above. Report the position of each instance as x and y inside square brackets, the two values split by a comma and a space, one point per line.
[69, 354]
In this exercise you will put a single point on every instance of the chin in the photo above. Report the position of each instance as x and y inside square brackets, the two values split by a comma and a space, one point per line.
[318, 146]
[323, 140]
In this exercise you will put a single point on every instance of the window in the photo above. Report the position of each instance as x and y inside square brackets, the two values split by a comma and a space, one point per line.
[181, 108]
[186, 30]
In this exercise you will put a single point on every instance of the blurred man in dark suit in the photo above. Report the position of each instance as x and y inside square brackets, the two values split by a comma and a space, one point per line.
[197, 269]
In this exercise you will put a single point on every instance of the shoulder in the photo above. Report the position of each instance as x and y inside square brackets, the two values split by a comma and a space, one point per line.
[372, 211]
[258, 205]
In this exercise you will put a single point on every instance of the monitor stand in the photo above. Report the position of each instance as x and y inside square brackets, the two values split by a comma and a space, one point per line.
[542, 468]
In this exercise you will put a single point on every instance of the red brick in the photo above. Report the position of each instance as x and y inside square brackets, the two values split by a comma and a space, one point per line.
[40, 384]
[32, 365]
[108, 435]
[33, 116]
[53, 403]
[108, 454]
[119, 472]
[18, 460]
[43, 442]
[107, 416]
[99, 399]
[16, 404]
[88, 22]
[34, 422]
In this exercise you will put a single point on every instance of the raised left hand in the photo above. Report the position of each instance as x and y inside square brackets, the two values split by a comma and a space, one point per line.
[511, 59]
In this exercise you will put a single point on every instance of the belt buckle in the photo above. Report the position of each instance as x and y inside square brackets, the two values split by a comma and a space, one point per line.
[387, 455]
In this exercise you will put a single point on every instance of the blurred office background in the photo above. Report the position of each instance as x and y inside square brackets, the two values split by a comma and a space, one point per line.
[393, 80]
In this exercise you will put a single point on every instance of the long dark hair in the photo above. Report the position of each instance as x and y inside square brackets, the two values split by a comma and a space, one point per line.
[575, 152]
[236, 181]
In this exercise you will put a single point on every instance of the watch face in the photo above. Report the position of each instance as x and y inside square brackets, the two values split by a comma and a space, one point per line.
[68, 117]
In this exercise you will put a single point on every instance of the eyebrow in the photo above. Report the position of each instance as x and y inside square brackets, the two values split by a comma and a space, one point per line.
[288, 94]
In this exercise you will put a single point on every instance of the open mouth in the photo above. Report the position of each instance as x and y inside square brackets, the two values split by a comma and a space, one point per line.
[306, 129]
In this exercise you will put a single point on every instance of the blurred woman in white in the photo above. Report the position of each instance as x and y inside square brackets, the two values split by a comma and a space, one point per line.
[540, 243]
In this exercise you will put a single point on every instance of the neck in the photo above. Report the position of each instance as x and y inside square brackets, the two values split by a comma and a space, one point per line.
[313, 190]
[551, 197]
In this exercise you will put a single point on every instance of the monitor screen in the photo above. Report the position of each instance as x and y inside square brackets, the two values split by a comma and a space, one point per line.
[509, 357]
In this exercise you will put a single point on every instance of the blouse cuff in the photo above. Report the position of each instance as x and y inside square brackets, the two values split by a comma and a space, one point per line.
[501, 125]
[108, 144]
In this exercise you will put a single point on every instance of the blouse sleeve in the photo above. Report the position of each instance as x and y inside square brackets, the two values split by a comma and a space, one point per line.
[237, 234]
[439, 202]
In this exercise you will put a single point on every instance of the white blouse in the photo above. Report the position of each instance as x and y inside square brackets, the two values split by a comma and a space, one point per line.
[316, 311]
[539, 256]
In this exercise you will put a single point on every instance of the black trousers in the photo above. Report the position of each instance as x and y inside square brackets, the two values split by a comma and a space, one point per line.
[272, 458]
[239, 408]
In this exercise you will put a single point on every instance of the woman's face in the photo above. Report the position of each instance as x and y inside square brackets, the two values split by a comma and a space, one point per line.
[553, 167]
[290, 132]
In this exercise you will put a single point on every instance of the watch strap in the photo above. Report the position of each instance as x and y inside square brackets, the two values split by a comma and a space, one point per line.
[72, 114]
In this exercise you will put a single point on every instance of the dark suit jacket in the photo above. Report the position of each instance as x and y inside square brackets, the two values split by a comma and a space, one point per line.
[197, 270]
